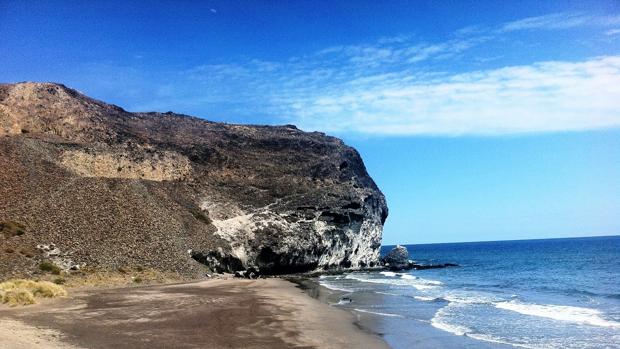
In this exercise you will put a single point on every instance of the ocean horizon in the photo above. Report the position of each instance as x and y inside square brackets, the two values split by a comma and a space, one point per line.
[539, 293]
[387, 247]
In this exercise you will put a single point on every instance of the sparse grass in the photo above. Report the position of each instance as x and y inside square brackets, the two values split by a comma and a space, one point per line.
[10, 229]
[200, 216]
[24, 292]
[59, 281]
[93, 278]
[50, 267]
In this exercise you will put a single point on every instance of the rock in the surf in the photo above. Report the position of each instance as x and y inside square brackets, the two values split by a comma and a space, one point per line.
[397, 258]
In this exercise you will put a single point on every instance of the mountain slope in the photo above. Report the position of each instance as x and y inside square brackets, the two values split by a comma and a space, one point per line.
[111, 188]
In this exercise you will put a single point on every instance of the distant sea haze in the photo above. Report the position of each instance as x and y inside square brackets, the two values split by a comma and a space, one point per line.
[556, 293]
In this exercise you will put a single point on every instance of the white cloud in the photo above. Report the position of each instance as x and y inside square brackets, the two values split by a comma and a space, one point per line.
[613, 31]
[542, 97]
[551, 21]
[393, 86]
[561, 20]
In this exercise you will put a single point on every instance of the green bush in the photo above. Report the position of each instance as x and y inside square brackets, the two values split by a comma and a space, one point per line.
[50, 267]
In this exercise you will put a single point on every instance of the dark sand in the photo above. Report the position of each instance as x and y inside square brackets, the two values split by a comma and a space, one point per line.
[267, 313]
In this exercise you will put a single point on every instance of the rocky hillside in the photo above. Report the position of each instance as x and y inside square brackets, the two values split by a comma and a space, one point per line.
[83, 182]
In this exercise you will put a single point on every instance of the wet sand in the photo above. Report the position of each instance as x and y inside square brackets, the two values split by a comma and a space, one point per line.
[396, 331]
[233, 313]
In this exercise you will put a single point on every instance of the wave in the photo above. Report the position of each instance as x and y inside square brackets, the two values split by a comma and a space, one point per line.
[565, 313]
[378, 313]
[415, 282]
[388, 273]
[335, 288]
[465, 298]
[427, 299]
[439, 322]
[487, 338]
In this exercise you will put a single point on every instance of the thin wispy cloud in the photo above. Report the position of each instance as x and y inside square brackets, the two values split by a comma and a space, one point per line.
[548, 96]
[557, 21]
[551, 21]
[404, 85]
[611, 32]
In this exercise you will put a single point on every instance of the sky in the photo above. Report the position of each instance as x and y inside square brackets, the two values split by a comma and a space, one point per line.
[479, 120]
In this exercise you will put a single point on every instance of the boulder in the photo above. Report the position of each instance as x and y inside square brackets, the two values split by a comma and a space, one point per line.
[397, 258]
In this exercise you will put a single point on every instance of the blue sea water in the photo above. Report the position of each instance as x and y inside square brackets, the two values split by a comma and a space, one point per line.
[556, 293]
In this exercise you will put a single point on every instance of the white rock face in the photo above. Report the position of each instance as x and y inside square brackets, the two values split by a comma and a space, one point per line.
[53, 253]
[277, 239]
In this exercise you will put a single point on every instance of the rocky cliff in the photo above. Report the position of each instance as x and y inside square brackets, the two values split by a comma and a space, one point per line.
[83, 182]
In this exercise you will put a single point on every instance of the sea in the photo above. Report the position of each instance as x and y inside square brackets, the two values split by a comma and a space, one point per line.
[554, 293]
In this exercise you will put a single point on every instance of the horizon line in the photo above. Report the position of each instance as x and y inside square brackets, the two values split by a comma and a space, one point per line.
[533, 239]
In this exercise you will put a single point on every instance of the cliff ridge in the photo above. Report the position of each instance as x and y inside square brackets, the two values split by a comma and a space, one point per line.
[109, 188]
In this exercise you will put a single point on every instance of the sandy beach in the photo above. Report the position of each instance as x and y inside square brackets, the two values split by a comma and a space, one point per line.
[223, 313]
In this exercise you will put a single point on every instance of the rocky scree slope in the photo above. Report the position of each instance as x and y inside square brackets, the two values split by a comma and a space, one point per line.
[83, 182]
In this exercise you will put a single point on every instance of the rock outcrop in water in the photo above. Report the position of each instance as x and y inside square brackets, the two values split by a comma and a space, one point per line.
[109, 188]
[398, 259]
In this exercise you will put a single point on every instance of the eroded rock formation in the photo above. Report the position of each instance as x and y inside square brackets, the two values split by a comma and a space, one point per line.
[111, 188]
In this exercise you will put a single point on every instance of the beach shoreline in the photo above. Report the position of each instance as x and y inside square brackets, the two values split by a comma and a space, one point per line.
[232, 313]
[396, 330]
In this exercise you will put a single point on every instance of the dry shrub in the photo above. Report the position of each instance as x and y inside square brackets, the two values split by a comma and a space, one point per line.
[17, 297]
[23, 292]
[10, 229]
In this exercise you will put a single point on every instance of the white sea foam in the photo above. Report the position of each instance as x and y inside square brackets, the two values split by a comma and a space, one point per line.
[487, 338]
[468, 298]
[335, 288]
[560, 312]
[425, 298]
[416, 282]
[439, 321]
[388, 273]
[378, 313]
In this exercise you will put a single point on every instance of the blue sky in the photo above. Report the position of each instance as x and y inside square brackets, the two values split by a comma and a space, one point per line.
[480, 120]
